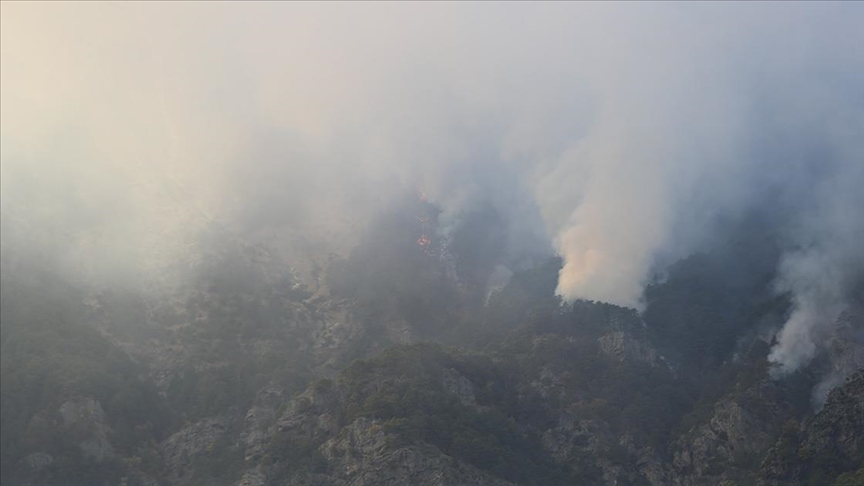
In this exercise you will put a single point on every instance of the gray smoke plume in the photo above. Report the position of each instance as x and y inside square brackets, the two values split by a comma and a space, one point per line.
[823, 270]
[609, 133]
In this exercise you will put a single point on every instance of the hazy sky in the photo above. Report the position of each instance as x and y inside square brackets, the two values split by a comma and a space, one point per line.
[608, 133]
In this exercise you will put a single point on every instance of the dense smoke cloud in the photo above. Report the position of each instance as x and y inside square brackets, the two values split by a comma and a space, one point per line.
[827, 263]
[609, 133]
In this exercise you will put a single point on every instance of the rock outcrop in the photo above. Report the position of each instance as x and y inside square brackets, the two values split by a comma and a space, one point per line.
[84, 418]
[824, 446]
[180, 449]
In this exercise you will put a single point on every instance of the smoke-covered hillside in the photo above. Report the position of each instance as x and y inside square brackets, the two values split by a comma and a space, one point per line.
[436, 244]
[247, 375]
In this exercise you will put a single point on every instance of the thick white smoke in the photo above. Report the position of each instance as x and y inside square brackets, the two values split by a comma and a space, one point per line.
[827, 263]
[612, 132]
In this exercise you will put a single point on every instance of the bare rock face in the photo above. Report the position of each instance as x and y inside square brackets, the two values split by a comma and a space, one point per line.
[623, 347]
[254, 477]
[181, 448]
[823, 446]
[742, 428]
[458, 385]
[361, 455]
[311, 430]
[624, 340]
[845, 353]
[85, 419]
[591, 444]
[839, 427]
[571, 437]
[259, 419]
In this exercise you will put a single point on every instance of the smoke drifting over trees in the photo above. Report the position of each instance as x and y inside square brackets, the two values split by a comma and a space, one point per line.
[616, 136]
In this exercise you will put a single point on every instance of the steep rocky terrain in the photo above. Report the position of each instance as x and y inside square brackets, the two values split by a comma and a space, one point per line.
[399, 366]
[824, 445]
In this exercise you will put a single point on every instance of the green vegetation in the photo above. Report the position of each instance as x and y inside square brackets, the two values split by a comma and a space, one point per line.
[50, 355]
[523, 369]
[52, 352]
[851, 478]
[404, 389]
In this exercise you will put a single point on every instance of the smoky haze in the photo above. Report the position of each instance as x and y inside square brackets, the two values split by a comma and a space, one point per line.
[610, 134]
